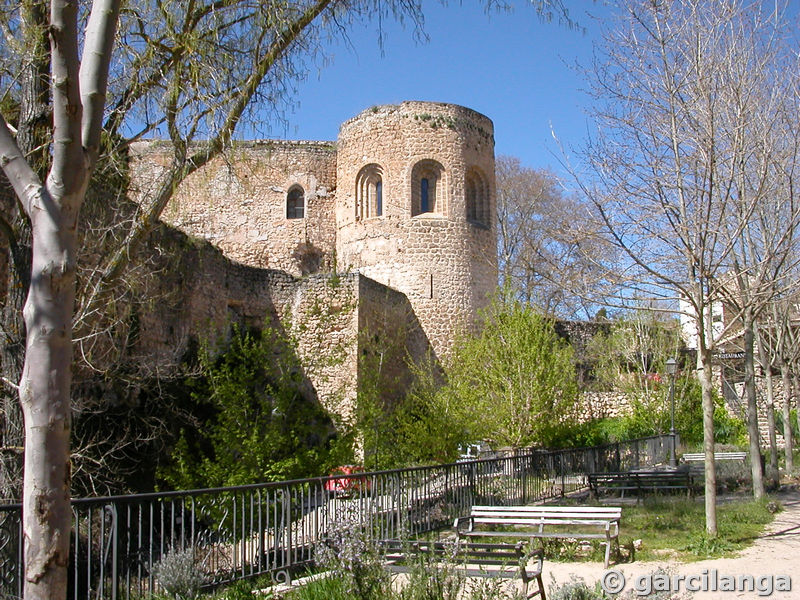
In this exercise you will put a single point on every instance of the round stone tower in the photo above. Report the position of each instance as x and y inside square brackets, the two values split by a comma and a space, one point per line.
[415, 209]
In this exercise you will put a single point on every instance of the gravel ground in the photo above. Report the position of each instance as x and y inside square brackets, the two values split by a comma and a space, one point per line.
[776, 553]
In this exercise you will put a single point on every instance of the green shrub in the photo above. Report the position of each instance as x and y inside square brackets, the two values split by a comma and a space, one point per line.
[510, 374]
[255, 421]
[575, 589]
[411, 428]
[354, 561]
[178, 575]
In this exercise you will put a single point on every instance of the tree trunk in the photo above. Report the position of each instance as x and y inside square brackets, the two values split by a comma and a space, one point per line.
[773, 441]
[45, 398]
[787, 418]
[706, 384]
[752, 406]
[766, 367]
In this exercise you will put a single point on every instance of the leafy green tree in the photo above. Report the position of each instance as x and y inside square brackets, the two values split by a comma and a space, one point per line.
[630, 357]
[515, 381]
[422, 426]
[257, 424]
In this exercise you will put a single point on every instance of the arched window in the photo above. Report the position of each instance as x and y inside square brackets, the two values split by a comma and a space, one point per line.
[476, 198]
[295, 203]
[369, 192]
[427, 188]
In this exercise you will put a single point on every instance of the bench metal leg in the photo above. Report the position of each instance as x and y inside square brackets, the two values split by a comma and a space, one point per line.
[539, 591]
[541, 586]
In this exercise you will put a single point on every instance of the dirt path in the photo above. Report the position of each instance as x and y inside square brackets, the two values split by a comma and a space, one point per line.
[775, 553]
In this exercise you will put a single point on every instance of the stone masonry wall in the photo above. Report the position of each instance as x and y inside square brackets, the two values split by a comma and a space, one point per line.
[322, 315]
[603, 405]
[442, 259]
[238, 201]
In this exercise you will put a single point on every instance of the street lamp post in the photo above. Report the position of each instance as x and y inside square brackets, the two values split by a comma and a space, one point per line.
[672, 369]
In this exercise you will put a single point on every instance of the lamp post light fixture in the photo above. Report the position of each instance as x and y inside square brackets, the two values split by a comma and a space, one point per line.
[672, 368]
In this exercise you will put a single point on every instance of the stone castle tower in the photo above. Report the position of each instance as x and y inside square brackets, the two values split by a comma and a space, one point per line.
[402, 207]
[415, 209]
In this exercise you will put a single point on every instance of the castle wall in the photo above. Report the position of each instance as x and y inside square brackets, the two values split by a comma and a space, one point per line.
[436, 246]
[195, 294]
[334, 320]
[443, 262]
[239, 201]
[406, 204]
[322, 316]
[390, 336]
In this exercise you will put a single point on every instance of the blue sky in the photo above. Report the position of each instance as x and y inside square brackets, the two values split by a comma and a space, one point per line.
[509, 66]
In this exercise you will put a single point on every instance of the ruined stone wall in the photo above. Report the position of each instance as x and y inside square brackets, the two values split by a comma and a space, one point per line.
[322, 316]
[443, 260]
[390, 337]
[334, 320]
[603, 405]
[239, 201]
[193, 293]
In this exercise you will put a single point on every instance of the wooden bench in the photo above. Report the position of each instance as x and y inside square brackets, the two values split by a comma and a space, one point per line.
[696, 461]
[641, 482]
[701, 456]
[542, 522]
[504, 561]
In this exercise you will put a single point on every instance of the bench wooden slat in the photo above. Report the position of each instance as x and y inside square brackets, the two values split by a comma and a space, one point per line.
[700, 456]
[556, 513]
[536, 520]
[535, 534]
[554, 509]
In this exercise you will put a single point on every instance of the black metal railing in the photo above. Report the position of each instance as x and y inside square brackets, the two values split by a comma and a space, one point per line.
[272, 528]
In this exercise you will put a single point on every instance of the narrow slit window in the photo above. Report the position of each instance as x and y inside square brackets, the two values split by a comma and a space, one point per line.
[379, 198]
[295, 203]
[476, 196]
[428, 188]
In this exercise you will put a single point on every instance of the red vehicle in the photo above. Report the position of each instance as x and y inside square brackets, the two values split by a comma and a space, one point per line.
[345, 486]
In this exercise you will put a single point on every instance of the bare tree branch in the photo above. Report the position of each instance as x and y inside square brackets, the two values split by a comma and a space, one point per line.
[100, 33]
